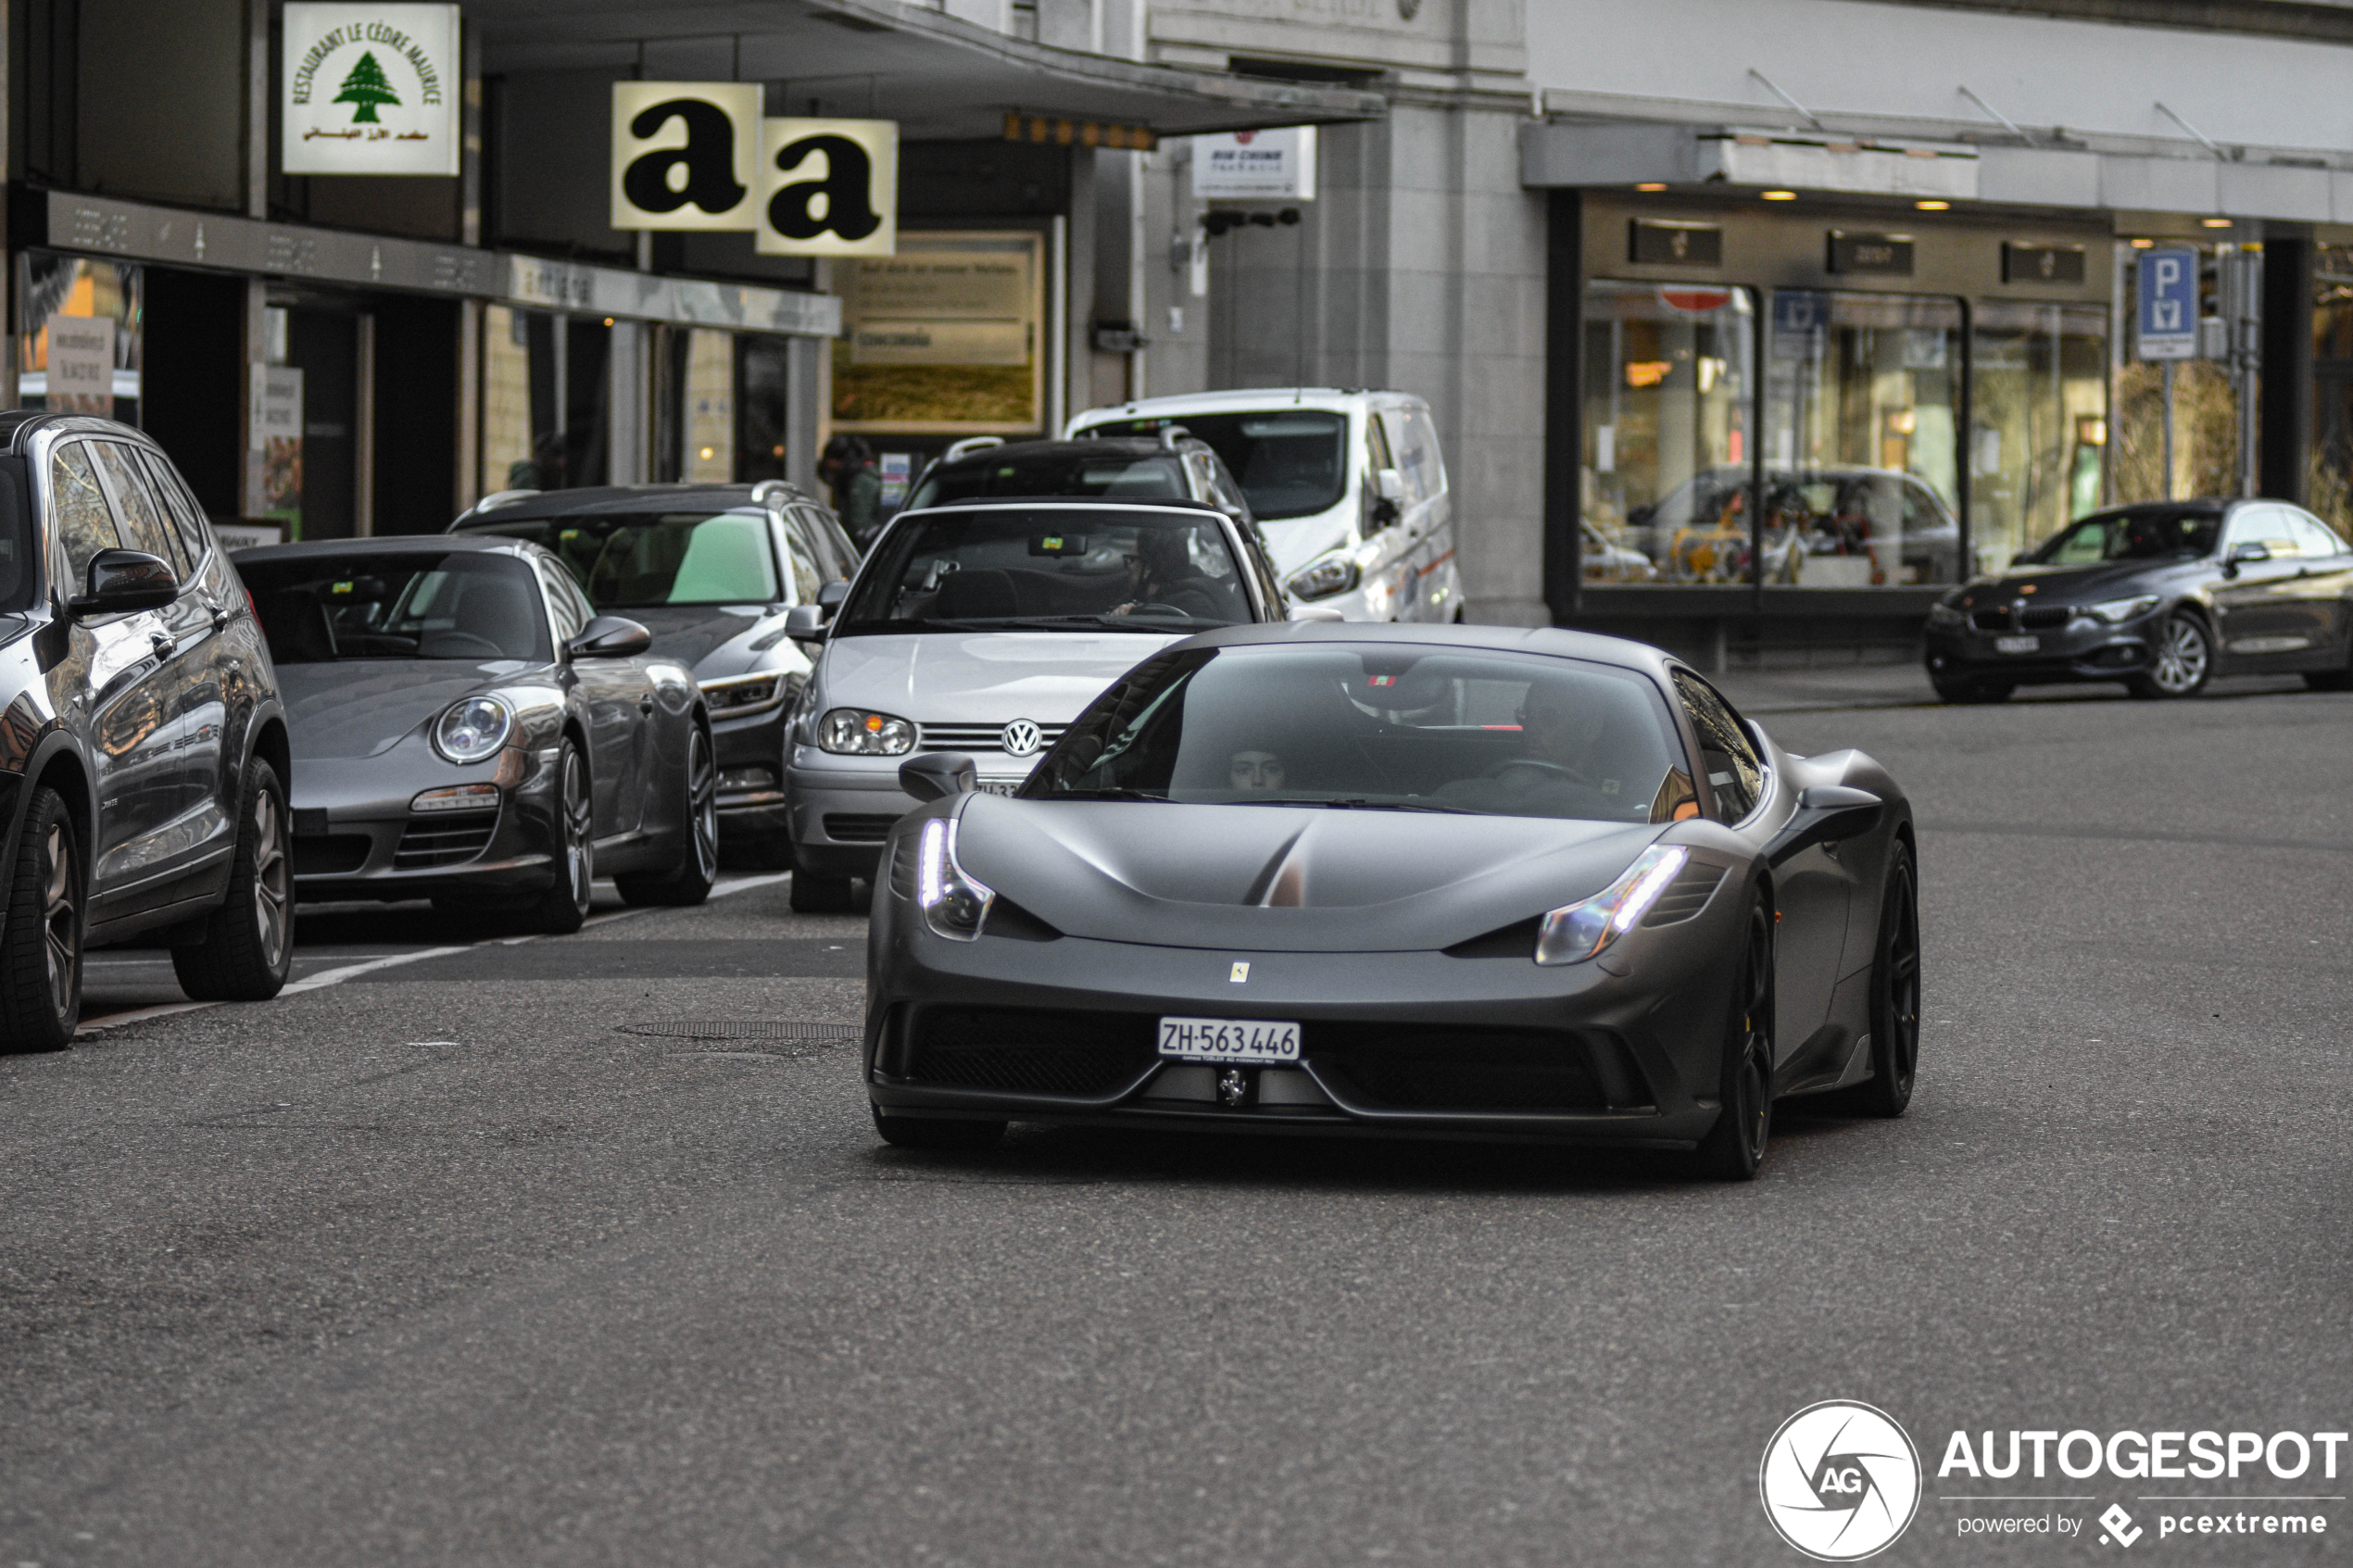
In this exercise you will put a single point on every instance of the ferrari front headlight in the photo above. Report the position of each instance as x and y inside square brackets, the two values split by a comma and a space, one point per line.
[954, 904]
[850, 732]
[2116, 612]
[473, 729]
[1576, 932]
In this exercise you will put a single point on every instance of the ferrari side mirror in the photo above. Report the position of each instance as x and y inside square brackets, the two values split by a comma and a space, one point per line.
[1825, 814]
[936, 776]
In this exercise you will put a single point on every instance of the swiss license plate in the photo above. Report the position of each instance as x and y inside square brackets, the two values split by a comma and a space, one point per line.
[999, 787]
[2016, 644]
[1228, 1039]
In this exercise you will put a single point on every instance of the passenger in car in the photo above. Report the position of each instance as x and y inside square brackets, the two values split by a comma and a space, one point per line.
[1257, 770]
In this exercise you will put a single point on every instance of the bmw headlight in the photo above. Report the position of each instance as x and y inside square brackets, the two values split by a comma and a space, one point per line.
[739, 695]
[473, 729]
[1944, 613]
[2117, 611]
[953, 903]
[1321, 580]
[852, 732]
[1576, 932]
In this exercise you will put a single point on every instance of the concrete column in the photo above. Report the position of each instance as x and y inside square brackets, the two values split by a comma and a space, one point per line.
[2285, 442]
[1078, 304]
[804, 409]
[1565, 407]
[626, 423]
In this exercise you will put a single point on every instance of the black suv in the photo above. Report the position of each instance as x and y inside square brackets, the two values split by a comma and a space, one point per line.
[143, 749]
[1173, 466]
[711, 570]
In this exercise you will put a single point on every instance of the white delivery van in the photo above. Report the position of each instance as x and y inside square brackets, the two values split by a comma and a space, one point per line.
[1349, 488]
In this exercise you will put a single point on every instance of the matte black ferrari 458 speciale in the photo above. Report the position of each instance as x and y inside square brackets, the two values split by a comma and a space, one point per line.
[1453, 880]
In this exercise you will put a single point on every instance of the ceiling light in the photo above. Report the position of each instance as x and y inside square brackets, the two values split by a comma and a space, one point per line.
[1933, 206]
[2216, 223]
[1652, 186]
[1780, 195]
[2143, 244]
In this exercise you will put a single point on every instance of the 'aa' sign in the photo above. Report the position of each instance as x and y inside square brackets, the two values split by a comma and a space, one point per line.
[683, 153]
[829, 187]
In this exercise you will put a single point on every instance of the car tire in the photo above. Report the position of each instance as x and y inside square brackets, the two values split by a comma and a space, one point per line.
[689, 883]
[1966, 693]
[563, 909]
[814, 894]
[1895, 1000]
[924, 1131]
[40, 951]
[2182, 662]
[1734, 1148]
[249, 946]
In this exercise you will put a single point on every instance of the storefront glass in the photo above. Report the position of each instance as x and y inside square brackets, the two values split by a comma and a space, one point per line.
[79, 332]
[2038, 424]
[1862, 396]
[709, 420]
[506, 400]
[1667, 397]
[546, 400]
[2329, 477]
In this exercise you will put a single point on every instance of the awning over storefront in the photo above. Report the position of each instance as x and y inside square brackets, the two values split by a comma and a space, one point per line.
[1565, 153]
[941, 76]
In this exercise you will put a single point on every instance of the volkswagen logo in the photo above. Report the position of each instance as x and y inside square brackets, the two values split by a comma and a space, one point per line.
[1020, 738]
[1840, 1481]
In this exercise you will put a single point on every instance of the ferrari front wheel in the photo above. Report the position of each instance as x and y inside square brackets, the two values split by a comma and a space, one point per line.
[1734, 1148]
[1895, 996]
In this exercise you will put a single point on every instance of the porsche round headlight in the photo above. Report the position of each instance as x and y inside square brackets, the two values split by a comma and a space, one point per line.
[473, 729]
[850, 732]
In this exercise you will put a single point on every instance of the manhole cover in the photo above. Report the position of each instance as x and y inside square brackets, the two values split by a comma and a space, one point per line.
[807, 1035]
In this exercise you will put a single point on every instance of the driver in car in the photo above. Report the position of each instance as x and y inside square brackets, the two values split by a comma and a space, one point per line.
[1567, 770]
[1162, 574]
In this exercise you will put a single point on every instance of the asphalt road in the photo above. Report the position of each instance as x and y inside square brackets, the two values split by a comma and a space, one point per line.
[513, 1255]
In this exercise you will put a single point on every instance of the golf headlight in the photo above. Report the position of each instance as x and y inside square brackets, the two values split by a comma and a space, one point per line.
[2117, 611]
[850, 732]
[742, 694]
[1321, 580]
[953, 903]
[473, 729]
[1578, 932]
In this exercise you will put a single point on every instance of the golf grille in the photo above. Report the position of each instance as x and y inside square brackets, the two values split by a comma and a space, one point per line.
[1021, 1050]
[980, 737]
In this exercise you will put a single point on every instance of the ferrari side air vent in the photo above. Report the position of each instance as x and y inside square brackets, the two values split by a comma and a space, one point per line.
[1686, 896]
[1517, 940]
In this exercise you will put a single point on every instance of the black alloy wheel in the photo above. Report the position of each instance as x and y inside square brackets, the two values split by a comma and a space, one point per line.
[2179, 662]
[698, 867]
[946, 1136]
[1734, 1148]
[1973, 692]
[40, 951]
[563, 909]
[248, 950]
[1895, 998]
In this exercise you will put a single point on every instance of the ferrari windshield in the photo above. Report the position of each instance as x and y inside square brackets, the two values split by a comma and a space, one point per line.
[1289, 462]
[640, 560]
[1380, 726]
[1160, 477]
[1050, 569]
[2135, 533]
[433, 604]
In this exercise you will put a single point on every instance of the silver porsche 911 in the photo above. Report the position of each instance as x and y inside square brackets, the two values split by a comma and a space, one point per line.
[465, 728]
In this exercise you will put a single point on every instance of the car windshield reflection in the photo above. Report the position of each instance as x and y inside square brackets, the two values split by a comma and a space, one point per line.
[435, 604]
[644, 560]
[2135, 533]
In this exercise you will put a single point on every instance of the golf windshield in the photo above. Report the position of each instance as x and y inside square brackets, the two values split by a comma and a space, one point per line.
[1289, 462]
[1156, 478]
[2135, 534]
[435, 604]
[1380, 726]
[1049, 568]
[641, 560]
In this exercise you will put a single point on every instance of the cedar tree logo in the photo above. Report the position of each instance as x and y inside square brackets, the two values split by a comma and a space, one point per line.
[1841, 1481]
[367, 86]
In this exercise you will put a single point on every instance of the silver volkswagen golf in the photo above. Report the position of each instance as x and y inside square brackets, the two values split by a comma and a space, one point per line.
[984, 628]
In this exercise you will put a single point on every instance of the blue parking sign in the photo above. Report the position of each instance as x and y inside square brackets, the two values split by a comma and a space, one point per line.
[2167, 319]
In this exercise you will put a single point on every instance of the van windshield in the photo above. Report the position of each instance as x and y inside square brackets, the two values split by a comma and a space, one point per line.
[1289, 462]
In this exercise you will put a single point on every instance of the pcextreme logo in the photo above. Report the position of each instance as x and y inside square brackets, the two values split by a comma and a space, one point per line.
[1840, 1481]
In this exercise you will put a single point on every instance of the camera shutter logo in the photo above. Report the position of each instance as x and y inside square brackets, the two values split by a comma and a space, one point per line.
[1020, 738]
[1840, 1481]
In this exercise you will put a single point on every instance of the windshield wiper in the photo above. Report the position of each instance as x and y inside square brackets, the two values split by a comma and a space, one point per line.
[1115, 794]
[1362, 803]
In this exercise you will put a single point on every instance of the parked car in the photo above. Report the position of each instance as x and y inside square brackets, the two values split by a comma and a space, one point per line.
[2162, 596]
[986, 626]
[1843, 527]
[466, 728]
[1445, 881]
[1350, 488]
[143, 746]
[1170, 466]
[711, 570]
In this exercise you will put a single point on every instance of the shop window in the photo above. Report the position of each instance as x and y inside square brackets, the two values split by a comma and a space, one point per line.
[506, 400]
[1862, 396]
[763, 377]
[709, 398]
[80, 326]
[1666, 457]
[2329, 474]
[2038, 424]
[546, 400]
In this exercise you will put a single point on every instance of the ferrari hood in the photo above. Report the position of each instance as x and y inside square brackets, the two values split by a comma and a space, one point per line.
[981, 677]
[362, 708]
[1282, 879]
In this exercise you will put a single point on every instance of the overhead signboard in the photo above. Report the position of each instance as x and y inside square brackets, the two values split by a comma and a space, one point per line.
[685, 154]
[2166, 316]
[945, 337]
[80, 365]
[1652, 244]
[1256, 165]
[827, 187]
[1886, 255]
[370, 90]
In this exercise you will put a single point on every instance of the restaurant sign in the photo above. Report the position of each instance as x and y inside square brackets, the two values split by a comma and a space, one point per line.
[370, 90]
